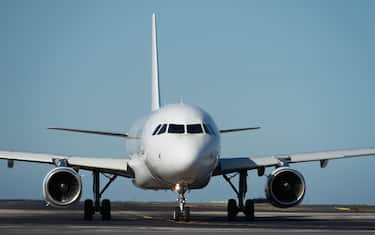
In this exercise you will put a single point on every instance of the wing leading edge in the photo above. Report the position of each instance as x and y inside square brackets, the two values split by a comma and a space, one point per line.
[229, 165]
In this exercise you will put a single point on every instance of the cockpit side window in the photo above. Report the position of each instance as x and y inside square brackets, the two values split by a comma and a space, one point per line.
[194, 129]
[176, 129]
[208, 129]
[156, 129]
[162, 129]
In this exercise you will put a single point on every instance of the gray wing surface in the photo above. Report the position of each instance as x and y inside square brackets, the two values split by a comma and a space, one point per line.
[229, 165]
[105, 165]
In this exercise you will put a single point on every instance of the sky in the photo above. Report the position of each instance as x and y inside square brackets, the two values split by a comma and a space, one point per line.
[302, 70]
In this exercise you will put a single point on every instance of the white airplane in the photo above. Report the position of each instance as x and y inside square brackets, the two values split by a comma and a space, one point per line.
[177, 148]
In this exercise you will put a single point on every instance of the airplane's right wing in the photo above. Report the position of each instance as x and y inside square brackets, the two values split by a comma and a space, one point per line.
[115, 134]
[104, 165]
[229, 165]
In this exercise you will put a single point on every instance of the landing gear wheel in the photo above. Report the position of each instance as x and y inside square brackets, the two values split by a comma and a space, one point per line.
[187, 214]
[176, 214]
[249, 209]
[232, 209]
[105, 209]
[88, 209]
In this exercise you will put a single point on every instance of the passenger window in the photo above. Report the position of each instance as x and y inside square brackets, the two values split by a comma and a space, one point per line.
[162, 129]
[176, 129]
[194, 129]
[156, 129]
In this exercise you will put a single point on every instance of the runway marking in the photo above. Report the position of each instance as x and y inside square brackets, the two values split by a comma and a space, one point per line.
[343, 208]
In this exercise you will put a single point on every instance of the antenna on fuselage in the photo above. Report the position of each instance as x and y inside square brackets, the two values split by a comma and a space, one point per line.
[155, 68]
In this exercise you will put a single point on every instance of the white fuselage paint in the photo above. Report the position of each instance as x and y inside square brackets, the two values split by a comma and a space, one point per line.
[166, 160]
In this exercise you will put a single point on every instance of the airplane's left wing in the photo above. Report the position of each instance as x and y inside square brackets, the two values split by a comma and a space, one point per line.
[239, 129]
[229, 165]
[105, 165]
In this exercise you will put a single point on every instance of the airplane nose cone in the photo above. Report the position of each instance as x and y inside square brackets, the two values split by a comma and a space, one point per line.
[186, 160]
[187, 164]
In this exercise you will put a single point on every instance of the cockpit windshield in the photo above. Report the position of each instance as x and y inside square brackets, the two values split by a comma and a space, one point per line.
[208, 129]
[163, 129]
[194, 129]
[176, 129]
[172, 128]
[156, 129]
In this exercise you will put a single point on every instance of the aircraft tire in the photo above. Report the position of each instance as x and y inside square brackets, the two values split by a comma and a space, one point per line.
[105, 209]
[176, 214]
[232, 209]
[249, 209]
[187, 214]
[88, 209]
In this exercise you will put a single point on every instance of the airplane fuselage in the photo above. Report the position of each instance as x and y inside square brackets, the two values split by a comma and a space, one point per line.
[179, 145]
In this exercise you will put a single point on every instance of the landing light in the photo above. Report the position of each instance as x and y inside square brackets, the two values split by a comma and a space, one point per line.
[177, 187]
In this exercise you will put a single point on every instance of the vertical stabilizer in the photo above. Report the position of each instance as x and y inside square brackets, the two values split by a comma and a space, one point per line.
[155, 68]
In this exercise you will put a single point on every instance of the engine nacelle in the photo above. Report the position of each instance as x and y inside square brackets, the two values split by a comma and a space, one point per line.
[285, 187]
[62, 186]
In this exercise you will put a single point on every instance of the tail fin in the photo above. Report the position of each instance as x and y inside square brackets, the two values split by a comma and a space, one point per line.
[155, 68]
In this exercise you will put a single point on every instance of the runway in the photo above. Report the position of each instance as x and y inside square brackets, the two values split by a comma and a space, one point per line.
[32, 217]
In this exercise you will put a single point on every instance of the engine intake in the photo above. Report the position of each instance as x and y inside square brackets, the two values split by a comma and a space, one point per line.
[285, 187]
[62, 186]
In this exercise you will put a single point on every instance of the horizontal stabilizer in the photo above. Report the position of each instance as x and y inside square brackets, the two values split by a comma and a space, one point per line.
[116, 134]
[239, 129]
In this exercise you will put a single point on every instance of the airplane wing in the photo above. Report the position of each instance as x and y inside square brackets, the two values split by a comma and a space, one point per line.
[239, 129]
[104, 165]
[230, 165]
[116, 134]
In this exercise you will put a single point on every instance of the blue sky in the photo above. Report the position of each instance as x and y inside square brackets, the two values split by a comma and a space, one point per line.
[302, 70]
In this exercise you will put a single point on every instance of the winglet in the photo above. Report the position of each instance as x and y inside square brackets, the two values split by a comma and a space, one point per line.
[155, 68]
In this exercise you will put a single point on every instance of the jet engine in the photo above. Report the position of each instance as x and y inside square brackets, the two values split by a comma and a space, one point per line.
[62, 186]
[285, 187]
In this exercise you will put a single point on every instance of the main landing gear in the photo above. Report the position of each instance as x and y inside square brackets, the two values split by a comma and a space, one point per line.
[181, 212]
[90, 206]
[232, 207]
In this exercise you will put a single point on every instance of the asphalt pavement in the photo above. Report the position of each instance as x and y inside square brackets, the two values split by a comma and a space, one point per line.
[32, 217]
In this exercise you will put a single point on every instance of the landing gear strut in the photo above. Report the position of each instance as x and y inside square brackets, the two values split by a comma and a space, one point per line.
[248, 207]
[90, 206]
[182, 211]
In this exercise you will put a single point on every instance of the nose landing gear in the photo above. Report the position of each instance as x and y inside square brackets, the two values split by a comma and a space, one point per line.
[182, 211]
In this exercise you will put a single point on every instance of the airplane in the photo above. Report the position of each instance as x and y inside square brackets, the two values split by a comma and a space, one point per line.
[178, 149]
